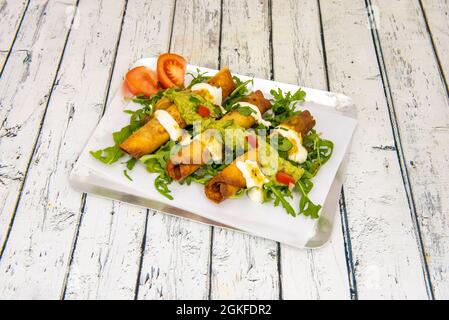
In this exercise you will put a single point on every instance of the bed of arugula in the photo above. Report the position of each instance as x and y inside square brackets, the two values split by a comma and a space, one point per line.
[283, 107]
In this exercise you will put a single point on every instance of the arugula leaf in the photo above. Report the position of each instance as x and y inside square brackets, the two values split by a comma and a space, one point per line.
[239, 93]
[319, 152]
[127, 176]
[111, 154]
[204, 174]
[156, 163]
[108, 155]
[245, 111]
[131, 163]
[161, 184]
[306, 206]
[284, 144]
[280, 198]
[284, 105]
[199, 77]
[122, 135]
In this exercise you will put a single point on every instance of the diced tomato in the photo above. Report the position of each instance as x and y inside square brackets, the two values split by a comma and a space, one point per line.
[203, 111]
[171, 70]
[285, 178]
[141, 80]
[252, 141]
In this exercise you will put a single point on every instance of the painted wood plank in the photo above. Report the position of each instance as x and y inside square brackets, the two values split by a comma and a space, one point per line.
[298, 59]
[243, 266]
[107, 256]
[176, 258]
[11, 14]
[437, 17]
[384, 246]
[34, 59]
[37, 254]
[421, 110]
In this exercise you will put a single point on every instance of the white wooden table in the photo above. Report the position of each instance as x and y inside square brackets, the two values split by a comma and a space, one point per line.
[61, 61]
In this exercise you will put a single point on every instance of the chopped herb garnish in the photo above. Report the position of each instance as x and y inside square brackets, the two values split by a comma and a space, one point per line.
[194, 99]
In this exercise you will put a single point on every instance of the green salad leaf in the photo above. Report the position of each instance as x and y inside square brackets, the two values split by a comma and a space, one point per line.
[245, 110]
[319, 152]
[284, 105]
[306, 206]
[113, 153]
[204, 174]
[199, 77]
[280, 193]
[240, 92]
[156, 163]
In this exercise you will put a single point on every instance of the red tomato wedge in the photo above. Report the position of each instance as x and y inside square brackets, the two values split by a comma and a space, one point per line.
[171, 70]
[285, 178]
[252, 141]
[203, 111]
[141, 80]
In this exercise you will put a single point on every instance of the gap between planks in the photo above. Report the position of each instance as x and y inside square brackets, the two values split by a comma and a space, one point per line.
[8, 232]
[19, 25]
[84, 195]
[398, 144]
[434, 47]
[342, 203]
[144, 239]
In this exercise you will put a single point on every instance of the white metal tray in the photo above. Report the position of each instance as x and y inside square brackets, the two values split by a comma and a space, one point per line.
[335, 118]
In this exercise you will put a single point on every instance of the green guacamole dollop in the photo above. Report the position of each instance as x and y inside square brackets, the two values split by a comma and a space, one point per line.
[187, 104]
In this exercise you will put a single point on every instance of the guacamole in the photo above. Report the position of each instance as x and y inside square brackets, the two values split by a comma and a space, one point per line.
[271, 163]
[187, 104]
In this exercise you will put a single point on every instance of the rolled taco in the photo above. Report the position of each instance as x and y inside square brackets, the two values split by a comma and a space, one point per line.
[245, 171]
[169, 118]
[193, 156]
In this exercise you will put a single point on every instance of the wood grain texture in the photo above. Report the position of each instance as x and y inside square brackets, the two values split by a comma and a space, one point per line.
[107, 257]
[421, 108]
[176, 258]
[384, 246]
[298, 59]
[437, 16]
[11, 15]
[34, 59]
[55, 242]
[243, 266]
[36, 258]
[36, 255]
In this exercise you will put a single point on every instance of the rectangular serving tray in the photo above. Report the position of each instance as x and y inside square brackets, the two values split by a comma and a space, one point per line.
[335, 117]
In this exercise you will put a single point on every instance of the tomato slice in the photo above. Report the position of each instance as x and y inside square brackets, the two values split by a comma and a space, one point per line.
[285, 178]
[252, 141]
[203, 111]
[141, 80]
[171, 70]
